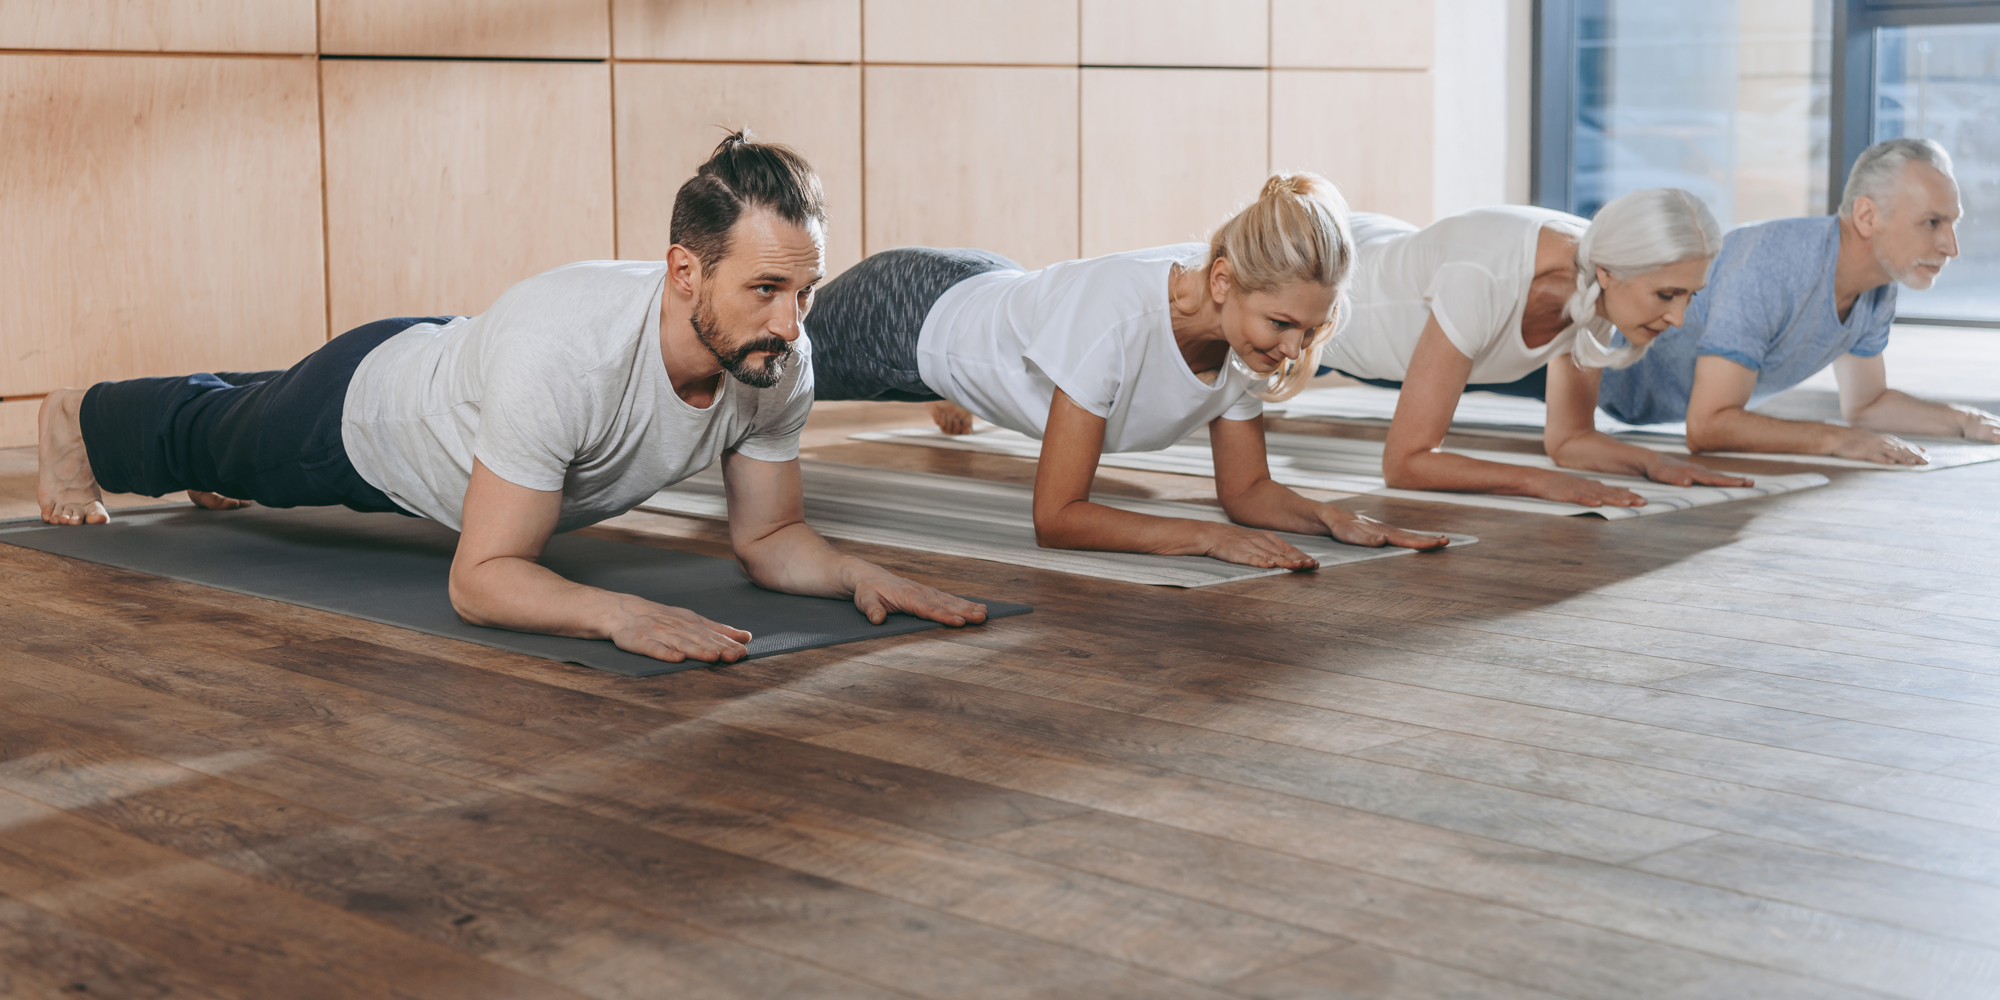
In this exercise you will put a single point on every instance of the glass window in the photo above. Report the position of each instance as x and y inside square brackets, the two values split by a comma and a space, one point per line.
[1943, 82]
[1726, 98]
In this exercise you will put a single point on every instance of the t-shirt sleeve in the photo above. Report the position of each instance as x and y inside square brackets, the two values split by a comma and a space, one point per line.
[781, 413]
[1469, 306]
[1084, 360]
[1246, 407]
[1744, 311]
[534, 412]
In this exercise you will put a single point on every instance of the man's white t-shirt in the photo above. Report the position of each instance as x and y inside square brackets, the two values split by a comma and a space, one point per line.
[1471, 270]
[559, 386]
[1001, 343]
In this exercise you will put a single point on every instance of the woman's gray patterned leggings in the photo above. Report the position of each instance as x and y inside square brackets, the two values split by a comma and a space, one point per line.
[864, 324]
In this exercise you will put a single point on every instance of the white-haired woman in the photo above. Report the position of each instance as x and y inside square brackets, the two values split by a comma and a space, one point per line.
[1127, 352]
[1522, 301]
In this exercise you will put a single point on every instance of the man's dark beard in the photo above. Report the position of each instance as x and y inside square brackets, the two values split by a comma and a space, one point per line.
[736, 363]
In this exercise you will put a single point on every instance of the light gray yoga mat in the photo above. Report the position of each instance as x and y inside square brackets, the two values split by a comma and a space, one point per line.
[993, 521]
[1348, 466]
[392, 569]
[1520, 418]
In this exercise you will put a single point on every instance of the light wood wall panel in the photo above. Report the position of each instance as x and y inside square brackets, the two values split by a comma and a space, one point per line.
[1167, 153]
[17, 422]
[668, 115]
[1353, 34]
[160, 216]
[1013, 32]
[973, 156]
[558, 29]
[158, 25]
[1369, 132]
[1176, 32]
[449, 181]
[741, 30]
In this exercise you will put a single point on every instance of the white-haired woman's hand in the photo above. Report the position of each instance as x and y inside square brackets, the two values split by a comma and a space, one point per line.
[1564, 488]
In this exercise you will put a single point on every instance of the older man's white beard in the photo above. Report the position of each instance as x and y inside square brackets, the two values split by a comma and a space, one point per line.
[1914, 277]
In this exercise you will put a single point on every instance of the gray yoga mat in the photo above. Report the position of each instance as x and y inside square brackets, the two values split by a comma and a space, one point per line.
[392, 569]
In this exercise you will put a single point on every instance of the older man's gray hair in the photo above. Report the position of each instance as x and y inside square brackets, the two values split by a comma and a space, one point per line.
[1879, 170]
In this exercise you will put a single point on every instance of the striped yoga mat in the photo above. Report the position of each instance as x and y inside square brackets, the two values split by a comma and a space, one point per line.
[1348, 466]
[987, 520]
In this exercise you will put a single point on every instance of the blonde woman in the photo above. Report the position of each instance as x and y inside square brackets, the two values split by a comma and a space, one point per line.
[1127, 352]
[1529, 302]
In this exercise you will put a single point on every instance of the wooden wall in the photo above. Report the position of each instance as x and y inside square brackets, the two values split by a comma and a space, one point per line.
[221, 184]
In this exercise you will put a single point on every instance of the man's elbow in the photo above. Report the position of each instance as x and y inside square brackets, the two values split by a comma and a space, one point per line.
[465, 599]
[1706, 432]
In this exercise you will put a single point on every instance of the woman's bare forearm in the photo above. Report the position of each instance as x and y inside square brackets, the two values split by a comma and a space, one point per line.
[1270, 505]
[1081, 524]
[1443, 471]
[1596, 451]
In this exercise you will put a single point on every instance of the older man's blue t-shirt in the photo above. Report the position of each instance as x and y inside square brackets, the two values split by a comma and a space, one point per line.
[1769, 307]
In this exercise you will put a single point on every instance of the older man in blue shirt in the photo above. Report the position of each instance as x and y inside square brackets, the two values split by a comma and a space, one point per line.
[1788, 297]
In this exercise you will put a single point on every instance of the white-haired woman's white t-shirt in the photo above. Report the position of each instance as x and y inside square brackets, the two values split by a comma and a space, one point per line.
[1471, 270]
[1001, 343]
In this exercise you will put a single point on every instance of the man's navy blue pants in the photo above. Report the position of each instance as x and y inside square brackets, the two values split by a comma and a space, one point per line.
[272, 437]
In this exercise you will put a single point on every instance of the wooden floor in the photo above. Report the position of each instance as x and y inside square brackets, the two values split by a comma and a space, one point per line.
[1745, 751]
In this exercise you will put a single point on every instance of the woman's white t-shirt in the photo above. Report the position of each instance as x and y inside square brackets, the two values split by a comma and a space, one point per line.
[1470, 270]
[1001, 343]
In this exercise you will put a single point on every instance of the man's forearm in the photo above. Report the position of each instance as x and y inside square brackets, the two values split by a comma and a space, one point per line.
[1738, 429]
[1897, 412]
[523, 596]
[795, 560]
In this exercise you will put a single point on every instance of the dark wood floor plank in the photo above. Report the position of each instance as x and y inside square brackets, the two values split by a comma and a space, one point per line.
[1244, 683]
[1529, 820]
[1470, 668]
[242, 936]
[488, 752]
[41, 956]
[1720, 924]
[430, 892]
[811, 919]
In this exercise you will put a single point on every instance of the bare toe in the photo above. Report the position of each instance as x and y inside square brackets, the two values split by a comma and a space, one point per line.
[215, 501]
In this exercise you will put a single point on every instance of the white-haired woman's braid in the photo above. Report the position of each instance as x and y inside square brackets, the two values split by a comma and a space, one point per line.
[1632, 235]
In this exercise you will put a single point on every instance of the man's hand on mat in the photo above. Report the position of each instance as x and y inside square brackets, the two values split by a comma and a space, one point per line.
[1252, 547]
[675, 634]
[1887, 449]
[1675, 472]
[1563, 488]
[882, 592]
[1360, 529]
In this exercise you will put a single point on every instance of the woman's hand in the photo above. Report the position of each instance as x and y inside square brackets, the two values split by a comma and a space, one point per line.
[1564, 488]
[1250, 547]
[1360, 529]
[1675, 472]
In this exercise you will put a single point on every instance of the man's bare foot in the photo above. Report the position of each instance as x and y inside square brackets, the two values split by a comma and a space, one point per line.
[64, 485]
[950, 417]
[215, 501]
